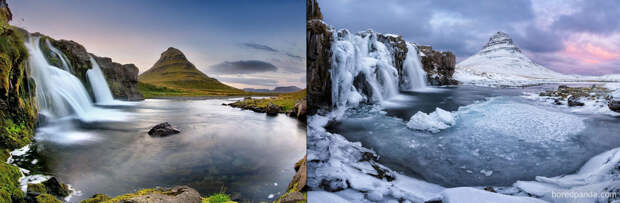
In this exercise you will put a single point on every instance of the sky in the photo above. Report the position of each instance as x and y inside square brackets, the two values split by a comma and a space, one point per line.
[568, 36]
[243, 43]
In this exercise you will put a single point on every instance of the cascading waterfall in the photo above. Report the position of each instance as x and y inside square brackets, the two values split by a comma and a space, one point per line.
[65, 66]
[99, 84]
[363, 69]
[59, 93]
[412, 69]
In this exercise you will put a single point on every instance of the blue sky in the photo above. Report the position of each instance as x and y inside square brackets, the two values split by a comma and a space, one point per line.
[245, 34]
[568, 36]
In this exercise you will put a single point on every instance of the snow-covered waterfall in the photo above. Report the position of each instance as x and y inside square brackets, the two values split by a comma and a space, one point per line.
[59, 93]
[363, 69]
[415, 76]
[99, 84]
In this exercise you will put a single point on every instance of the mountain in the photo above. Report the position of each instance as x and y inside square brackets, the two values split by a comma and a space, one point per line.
[285, 89]
[174, 75]
[500, 60]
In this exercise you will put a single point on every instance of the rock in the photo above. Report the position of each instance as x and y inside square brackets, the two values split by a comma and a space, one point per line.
[562, 87]
[557, 102]
[614, 105]
[272, 109]
[163, 129]
[299, 180]
[183, 194]
[54, 187]
[574, 101]
[489, 188]
[293, 197]
[439, 66]
[299, 110]
[319, 56]
[122, 79]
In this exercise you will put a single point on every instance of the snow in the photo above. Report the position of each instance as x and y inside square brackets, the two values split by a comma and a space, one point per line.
[326, 197]
[433, 122]
[599, 175]
[468, 194]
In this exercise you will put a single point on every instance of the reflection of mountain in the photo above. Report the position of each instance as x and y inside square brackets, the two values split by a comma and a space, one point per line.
[176, 74]
[285, 89]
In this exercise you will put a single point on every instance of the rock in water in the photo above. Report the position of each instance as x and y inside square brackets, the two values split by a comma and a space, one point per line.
[574, 101]
[54, 187]
[163, 129]
[272, 109]
[614, 105]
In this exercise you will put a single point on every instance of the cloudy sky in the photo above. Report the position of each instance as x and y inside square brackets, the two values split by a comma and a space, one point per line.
[568, 36]
[244, 43]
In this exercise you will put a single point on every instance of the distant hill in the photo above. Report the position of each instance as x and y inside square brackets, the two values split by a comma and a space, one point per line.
[285, 89]
[174, 75]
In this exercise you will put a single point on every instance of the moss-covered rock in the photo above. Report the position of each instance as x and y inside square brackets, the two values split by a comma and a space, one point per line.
[55, 187]
[37, 188]
[18, 110]
[97, 198]
[9, 184]
[218, 198]
[47, 198]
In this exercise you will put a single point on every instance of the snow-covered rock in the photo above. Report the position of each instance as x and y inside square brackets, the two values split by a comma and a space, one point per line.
[434, 122]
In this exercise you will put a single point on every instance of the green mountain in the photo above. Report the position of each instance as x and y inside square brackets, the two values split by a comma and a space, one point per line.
[174, 75]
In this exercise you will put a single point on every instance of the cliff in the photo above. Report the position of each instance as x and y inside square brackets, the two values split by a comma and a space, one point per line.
[18, 112]
[319, 56]
[439, 66]
[122, 78]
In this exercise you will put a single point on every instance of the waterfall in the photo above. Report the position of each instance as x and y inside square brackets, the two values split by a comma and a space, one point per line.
[65, 66]
[99, 84]
[363, 69]
[415, 76]
[59, 93]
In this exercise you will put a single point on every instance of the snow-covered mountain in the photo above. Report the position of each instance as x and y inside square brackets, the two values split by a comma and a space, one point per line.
[501, 61]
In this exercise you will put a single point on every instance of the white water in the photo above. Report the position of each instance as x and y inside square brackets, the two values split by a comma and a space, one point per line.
[61, 94]
[99, 84]
[412, 68]
[361, 55]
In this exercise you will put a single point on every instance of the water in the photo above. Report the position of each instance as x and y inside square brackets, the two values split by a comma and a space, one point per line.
[65, 66]
[499, 137]
[219, 149]
[99, 84]
[412, 67]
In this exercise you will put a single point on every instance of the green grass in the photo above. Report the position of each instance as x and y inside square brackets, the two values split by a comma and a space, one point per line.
[285, 101]
[217, 198]
[47, 198]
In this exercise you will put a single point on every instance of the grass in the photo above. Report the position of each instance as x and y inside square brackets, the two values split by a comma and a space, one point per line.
[101, 198]
[217, 198]
[285, 101]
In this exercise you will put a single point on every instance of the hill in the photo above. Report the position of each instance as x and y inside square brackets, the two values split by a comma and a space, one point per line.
[174, 75]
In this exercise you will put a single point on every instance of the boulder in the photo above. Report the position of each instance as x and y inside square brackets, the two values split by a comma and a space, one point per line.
[272, 109]
[163, 129]
[614, 105]
[574, 101]
[299, 110]
[56, 188]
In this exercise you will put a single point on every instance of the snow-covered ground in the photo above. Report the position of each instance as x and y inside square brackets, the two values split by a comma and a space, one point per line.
[351, 173]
